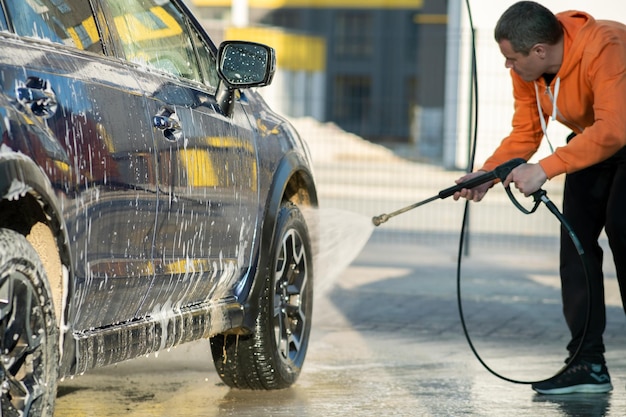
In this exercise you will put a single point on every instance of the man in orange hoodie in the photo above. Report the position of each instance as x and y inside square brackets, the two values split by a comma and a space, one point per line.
[571, 68]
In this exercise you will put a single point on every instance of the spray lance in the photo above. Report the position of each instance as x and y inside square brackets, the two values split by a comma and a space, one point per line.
[500, 172]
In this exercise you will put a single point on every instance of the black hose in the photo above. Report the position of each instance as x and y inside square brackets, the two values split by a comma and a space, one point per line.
[540, 196]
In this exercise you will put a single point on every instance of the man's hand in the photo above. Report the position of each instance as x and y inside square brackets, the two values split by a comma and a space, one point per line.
[527, 178]
[474, 194]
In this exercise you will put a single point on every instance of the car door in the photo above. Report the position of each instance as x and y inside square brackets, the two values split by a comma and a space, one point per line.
[58, 71]
[207, 166]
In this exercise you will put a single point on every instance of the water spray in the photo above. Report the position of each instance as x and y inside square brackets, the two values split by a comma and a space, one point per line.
[500, 172]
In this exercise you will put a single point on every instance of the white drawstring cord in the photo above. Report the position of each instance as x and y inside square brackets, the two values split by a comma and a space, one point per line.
[557, 86]
[544, 126]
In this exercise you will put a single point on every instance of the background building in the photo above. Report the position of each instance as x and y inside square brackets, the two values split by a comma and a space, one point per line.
[380, 75]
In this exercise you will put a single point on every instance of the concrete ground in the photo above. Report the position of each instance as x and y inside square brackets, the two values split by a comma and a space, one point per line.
[402, 298]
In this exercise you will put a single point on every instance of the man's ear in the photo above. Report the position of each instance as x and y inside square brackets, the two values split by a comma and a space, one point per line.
[539, 49]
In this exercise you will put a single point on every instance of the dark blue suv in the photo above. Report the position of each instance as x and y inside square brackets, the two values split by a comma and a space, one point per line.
[149, 198]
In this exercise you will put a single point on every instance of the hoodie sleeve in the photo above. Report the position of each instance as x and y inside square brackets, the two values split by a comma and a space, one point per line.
[603, 79]
[526, 133]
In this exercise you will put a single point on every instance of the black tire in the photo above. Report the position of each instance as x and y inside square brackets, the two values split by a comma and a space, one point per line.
[29, 337]
[272, 357]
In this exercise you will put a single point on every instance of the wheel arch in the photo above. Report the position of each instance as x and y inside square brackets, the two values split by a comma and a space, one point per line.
[293, 181]
[27, 203]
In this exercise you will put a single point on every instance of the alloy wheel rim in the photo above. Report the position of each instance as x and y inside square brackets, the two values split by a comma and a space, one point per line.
[291, 279]
[22, 344]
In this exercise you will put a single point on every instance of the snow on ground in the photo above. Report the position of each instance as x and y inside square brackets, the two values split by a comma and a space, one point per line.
[329, 143]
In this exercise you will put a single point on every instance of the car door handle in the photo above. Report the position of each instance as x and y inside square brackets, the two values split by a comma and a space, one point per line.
[37, 94]
[167, 121]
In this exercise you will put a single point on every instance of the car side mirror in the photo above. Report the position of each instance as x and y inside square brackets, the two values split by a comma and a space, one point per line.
[246, 64]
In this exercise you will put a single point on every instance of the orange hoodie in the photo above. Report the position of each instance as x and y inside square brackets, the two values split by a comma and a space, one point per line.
[590, 94]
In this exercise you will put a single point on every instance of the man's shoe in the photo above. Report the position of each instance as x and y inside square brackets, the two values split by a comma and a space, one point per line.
[581, 376]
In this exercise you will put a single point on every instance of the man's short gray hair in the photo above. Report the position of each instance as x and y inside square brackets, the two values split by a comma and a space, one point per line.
[526, 24]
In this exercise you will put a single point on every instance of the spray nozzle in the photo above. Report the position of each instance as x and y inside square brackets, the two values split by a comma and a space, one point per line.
[378, 220]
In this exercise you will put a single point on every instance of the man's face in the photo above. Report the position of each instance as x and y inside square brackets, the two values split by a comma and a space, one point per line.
[529, 67]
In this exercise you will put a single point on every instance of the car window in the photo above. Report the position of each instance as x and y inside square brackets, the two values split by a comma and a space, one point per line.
[68, 22]
[3, 21]
[154, 33]
[208, 62]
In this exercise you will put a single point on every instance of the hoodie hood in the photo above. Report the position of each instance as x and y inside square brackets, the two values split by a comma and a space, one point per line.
[576, 35]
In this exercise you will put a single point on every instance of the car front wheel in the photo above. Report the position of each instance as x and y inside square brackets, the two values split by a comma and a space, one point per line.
[272, 357]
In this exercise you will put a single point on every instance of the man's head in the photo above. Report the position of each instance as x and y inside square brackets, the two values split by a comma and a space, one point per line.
[527, 33]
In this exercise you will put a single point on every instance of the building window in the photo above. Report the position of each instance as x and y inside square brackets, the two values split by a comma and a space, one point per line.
[354, 36]
[289, 19]
[412, 38]
[351, 99]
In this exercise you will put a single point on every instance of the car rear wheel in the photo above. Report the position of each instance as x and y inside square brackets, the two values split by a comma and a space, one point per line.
[28, 331]
[272, 357]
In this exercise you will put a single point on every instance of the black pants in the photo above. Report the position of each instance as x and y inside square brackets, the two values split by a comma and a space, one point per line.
[593, 198]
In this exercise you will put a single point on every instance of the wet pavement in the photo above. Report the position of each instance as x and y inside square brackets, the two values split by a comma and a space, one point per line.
[512, 310]
[387, 340]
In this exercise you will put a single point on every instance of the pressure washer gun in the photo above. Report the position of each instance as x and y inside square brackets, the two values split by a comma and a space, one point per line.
[500, 172]
[540, 196]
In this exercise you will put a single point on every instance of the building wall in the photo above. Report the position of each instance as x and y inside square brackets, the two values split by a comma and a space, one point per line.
[383, 67]
[371, 66]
